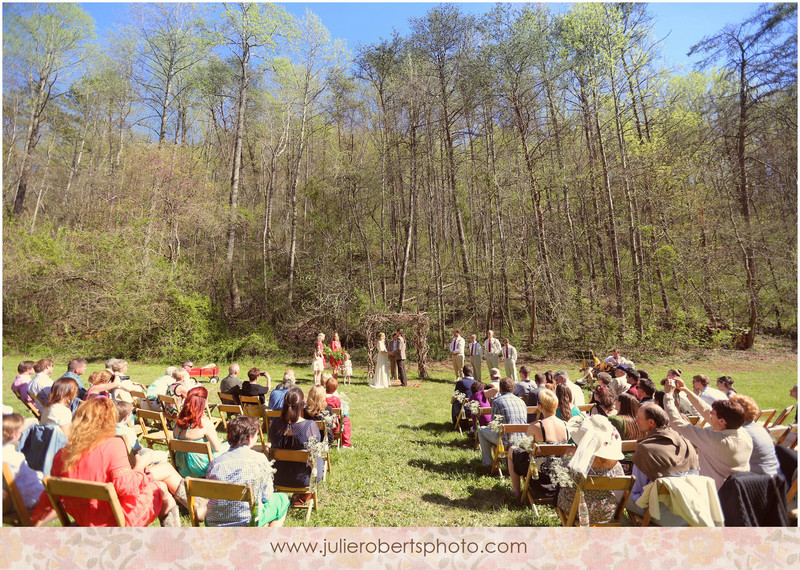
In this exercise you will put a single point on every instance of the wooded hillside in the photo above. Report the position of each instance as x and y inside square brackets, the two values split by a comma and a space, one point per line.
[210, 178]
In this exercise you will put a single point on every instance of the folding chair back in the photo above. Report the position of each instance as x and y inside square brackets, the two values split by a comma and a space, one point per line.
[337, 436]
[186, 446]
[629, 445]
[58, 487]
[228, 399]
[296, 456]
[541, 450]
[323, 433]
[220, 490]
[789, 430]
[138, 398]
[499, 451]
[645, 520]
[586, 408]
[32, 408]
[251, 405]
[624, 484]
[267, 416]
[766, 415]
[226, 411]
[782, 416]
[21, 516]
[154, 427]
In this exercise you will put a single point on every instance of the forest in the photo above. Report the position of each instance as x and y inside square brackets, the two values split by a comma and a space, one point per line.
[218, 181]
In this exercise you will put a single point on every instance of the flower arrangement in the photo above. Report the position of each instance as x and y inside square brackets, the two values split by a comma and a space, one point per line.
[459, 396]
[560, 472]
[337, 354]
[474, 407]
[496, 425]
[317, 449]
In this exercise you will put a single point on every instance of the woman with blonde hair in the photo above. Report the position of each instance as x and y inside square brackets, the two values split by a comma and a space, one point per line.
[549, 429]
[94, 454]
[318, 364]
[317, 408]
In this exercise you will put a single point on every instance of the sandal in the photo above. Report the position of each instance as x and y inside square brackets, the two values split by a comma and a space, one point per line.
[300, 500]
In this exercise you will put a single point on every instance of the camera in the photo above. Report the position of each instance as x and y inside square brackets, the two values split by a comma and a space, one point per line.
[124, 378]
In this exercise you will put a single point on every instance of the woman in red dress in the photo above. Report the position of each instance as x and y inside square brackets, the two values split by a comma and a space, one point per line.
[94, 454]
[336, 345]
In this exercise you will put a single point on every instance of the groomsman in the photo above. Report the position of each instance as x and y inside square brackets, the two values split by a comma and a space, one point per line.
[400, 357]
[510, 360]
[457, 351]
[475, 356]
[492, 349]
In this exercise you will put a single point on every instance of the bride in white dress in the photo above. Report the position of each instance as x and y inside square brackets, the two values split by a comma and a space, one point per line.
[381, 379]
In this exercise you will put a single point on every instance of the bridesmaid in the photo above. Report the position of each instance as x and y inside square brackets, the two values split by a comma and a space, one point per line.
[336, 345]
[318, 364]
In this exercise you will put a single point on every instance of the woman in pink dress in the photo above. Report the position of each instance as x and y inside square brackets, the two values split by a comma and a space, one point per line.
[336, 345]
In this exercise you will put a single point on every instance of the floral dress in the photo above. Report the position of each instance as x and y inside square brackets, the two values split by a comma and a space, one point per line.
[602, 504]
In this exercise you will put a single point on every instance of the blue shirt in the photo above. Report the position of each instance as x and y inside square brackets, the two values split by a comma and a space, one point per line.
[763, 459]
[276, 398]
[514, 411]
[241, 465]
[75, 377]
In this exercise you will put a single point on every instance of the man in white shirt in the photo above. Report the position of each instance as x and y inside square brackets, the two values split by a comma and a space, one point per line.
[41, 383]
[700, 383]
[578, 399]
[510, 360]
[492, 349]
[457, 352]
[475, 356]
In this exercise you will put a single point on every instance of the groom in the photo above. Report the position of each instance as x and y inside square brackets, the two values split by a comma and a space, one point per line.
[400, 356]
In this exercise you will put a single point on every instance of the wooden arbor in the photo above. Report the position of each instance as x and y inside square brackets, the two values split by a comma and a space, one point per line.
[415, 326]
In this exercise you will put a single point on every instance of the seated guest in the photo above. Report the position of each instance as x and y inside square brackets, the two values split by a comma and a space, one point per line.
[28, 481]
[663, 452]
[625, 418]
[725, 385]
[122, 392]
[618, 381]
[723, 450]
[75, 368]
[250, 387]
[598, 454]
[24, 376]
[646, 389]
[279, 393]
[243, 465]
[58, 411]
[231, 383]
[94, 454]
[603, 397]
[479, 395]
[548, 429]
[180, 387]
[292, 431]
[701, 384]
[526, 389]
[550, 381]
[128, 433]
[615, 359]
[561, 377]
[566, 409]
[159, 388]
[540, 380]
[101, 383]
[41, 383]
[193, 425]
[317, 409]
[632, 377]
[463, 386]
[333, 399]
[763, 459]
[512, 410]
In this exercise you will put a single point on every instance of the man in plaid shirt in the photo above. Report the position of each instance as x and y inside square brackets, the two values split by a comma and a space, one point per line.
[513, 410]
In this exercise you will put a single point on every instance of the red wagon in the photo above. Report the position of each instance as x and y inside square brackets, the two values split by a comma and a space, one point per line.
[211, 373]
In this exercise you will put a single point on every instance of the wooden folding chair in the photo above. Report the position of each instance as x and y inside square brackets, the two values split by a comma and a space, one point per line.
[461, 417]
[226, 411]
[267, 416]
[138, 397]
[220, 490]
[624, 484]
[791, 493]
[321, 426]
[154, 427]
[644, 520]
[541, 450]
[297, 456]
[338, 436]
[21, 516]
[228, 399]
[483, 412]
[30, 407]
[792, 429]
[499, 452]
[59, 487]
[171, 408]
[768, 414]
[586, 408]
[629, 445]
[214, 420]
[186, 446]
[781, 417]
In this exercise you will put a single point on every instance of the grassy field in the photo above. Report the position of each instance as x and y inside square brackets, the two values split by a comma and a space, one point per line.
[409, 468]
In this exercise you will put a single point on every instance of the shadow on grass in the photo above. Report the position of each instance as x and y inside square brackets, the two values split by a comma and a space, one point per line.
[434, 427]
[458, 468]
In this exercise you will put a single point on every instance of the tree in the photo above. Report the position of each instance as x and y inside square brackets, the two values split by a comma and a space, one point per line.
[42, 43]
[759, 57]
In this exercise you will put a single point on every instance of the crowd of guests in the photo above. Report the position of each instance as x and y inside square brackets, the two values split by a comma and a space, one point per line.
[75, 437]
[668, 424]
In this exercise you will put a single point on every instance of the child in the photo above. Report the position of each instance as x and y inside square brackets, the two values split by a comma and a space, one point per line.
[24, 376]
[348, 368]
[331, 384]
[124, 429]
[29, 482]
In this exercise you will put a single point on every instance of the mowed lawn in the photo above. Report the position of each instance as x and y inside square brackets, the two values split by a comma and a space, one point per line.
[409, 468]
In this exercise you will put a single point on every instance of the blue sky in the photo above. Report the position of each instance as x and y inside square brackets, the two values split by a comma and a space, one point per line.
[680, 24]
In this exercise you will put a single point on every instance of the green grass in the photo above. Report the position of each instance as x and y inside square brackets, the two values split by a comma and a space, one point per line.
[409, 468]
